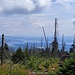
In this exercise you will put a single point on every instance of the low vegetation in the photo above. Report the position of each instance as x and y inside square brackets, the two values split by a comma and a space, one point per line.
[26, 62]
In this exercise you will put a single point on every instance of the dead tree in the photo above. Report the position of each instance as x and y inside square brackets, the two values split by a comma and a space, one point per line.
[2, 49]
[72, 49]
[41, 42]
[47, 50]
[45, 37]
[63, 44]
[55, 42]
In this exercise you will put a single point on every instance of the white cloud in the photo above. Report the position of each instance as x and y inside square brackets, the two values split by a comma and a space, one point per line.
[67, 1]
[73, 21]
[44, 2]
[11, 4]
[23, 6]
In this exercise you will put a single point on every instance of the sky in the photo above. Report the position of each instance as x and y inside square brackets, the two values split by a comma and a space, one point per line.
[26, 17]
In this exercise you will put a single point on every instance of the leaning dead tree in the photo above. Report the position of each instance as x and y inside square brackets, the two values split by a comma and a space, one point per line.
[45, 37]
[47, 50]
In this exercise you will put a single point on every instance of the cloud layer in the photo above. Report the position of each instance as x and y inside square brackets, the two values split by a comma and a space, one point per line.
[29, 6]
[66, 3]
[30, 23]
[23, 6]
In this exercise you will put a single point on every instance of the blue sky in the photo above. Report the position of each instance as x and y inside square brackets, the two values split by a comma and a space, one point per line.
[26, 17]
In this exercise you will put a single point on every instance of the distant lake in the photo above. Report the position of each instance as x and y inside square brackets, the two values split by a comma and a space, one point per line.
[16, 42]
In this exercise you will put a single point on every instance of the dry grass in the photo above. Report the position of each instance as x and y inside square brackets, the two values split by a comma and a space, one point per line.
[8, 69]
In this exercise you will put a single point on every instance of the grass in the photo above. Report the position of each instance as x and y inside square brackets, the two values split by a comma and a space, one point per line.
[33, 66]
[15, 69]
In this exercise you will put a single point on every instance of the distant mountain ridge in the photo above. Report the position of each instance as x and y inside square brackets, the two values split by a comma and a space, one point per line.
[16, 42]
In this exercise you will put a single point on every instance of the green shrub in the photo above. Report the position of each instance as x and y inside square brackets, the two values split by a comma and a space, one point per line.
[68, 67]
